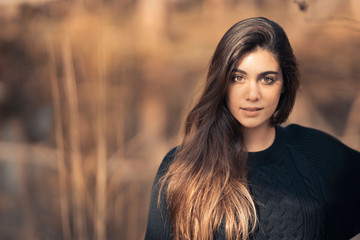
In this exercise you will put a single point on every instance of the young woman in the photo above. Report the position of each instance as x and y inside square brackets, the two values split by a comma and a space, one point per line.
[237, 173]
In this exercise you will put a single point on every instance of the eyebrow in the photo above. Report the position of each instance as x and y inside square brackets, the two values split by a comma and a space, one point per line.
[261, 74]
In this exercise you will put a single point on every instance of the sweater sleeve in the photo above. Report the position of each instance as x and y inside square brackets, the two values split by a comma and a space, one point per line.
[159, 223]
[338, 169]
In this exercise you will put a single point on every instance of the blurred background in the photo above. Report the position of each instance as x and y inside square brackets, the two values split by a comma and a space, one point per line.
[93, 94]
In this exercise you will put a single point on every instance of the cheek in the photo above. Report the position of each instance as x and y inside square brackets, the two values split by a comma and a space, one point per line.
[276, 98]
[272, 98]
[231, 97]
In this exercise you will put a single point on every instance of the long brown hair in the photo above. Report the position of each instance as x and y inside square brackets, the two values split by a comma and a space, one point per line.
[206, 184]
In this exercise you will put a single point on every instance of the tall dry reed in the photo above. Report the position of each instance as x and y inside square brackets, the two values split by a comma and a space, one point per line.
[77, 175]
[118, 86]
[59, 139]
[100, 86]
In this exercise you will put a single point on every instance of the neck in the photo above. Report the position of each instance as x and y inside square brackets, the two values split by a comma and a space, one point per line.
[258, 139]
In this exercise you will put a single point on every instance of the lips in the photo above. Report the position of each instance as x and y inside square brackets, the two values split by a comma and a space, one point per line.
[251, 109]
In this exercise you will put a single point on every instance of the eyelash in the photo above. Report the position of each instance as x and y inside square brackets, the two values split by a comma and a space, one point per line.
[271, 80]
[265, 80]
[235, 78]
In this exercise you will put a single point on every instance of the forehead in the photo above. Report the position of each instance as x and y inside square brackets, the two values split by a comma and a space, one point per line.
[259, 60]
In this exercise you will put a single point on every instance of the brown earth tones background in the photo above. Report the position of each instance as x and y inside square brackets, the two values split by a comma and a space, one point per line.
[93, 94]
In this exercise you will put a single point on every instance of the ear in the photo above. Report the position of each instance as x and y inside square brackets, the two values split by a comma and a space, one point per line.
[282, 90]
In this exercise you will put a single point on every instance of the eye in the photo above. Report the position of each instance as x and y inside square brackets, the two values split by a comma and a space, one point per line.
[268, 80]
[237, 78]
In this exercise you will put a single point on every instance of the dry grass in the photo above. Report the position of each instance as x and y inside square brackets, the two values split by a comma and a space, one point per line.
[117, 79]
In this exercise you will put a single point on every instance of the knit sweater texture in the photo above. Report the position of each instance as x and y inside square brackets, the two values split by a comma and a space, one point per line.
[306, 185]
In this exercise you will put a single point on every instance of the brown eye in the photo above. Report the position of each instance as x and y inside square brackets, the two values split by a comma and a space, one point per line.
[268, 80]
[237, 78]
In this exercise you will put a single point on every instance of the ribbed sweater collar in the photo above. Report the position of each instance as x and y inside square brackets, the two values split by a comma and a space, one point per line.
[272, 153]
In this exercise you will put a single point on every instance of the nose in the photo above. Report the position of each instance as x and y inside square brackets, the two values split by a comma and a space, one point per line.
[252, 91]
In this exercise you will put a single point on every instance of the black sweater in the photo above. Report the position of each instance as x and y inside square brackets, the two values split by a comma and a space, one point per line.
[306, 185]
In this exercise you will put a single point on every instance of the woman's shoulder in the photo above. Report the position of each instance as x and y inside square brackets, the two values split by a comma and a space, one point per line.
[167, 160]
[299, 131]
[169, 157]
[302, 136]
[337, 168]
[320, 148]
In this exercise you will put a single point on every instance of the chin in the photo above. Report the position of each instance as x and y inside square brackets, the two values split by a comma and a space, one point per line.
[250, 126]
[254, 125]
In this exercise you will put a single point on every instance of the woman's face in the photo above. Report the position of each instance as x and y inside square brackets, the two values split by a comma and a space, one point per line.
[255, 88]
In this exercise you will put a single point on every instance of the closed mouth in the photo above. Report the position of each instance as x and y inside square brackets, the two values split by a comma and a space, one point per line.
[251, 109]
